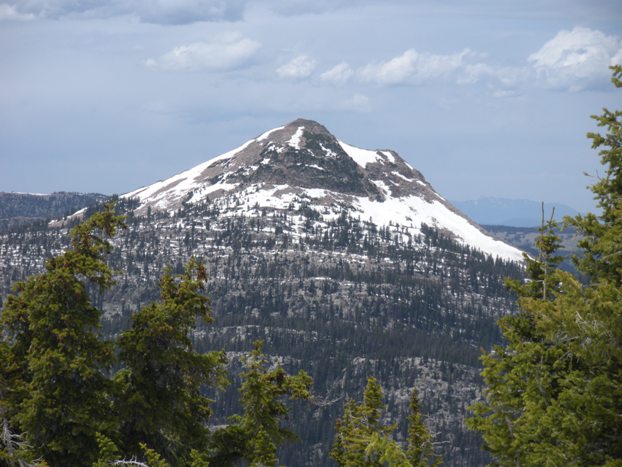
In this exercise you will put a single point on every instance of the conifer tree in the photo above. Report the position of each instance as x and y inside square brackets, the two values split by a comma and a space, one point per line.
[161, 387]
[257, 434]
[554, 393]
[420, 450]
[55, 391]
[362, 439]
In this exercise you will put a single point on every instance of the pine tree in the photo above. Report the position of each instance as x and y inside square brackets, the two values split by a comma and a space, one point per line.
[601, 240]
[161, 387]
[257, 434]
[362, 439]
[55, 390]
[554, 393]
[420, 450]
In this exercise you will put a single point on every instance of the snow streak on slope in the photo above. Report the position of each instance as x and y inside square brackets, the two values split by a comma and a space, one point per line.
[175, 187]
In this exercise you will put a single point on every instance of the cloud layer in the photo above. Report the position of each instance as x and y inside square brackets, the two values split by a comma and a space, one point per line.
[148, 11]
[10, 13]
[227, 52]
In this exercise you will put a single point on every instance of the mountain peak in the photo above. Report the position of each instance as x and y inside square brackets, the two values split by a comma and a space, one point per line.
[302, 163]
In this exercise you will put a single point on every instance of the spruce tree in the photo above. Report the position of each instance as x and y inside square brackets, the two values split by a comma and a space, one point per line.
[161, 400]
[257, 434]
[554, 392]
[362, 439]
[55, 391]
[420, 450]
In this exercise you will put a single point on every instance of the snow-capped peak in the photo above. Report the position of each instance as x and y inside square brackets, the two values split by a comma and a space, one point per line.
[302, 162]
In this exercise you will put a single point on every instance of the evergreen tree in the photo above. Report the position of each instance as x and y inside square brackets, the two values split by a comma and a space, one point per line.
[257, 434]
[601, 234]
[54, 387]
[362, 439]
[161, 387]
[554, 392]
[420, 450]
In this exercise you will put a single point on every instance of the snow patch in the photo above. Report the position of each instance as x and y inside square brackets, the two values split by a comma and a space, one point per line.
[361, 156]
[268, 133]
[328, 152]
[294, 141]
[399, 210]
[383, 186]
[390, 156]
[404, 178]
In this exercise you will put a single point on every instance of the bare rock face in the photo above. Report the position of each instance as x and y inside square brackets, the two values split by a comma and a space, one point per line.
[303, 163]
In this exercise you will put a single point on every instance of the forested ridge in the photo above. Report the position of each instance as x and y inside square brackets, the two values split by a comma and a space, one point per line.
[344, 303]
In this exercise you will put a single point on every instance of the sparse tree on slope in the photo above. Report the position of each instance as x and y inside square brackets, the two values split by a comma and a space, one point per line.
[554, 392]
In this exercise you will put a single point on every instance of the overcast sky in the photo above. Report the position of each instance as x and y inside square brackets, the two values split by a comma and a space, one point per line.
[484, 97]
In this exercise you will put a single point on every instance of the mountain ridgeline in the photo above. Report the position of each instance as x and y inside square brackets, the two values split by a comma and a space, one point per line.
[17, 209]
[345, 261]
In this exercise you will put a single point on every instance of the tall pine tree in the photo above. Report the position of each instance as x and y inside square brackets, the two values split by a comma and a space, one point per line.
[554, 392]
[56, 392]
[162, 386]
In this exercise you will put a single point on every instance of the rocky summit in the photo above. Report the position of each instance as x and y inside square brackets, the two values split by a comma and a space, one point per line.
[344, 261]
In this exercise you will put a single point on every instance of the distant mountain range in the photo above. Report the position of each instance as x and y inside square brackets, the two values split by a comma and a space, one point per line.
[511, 212]
[27, 208]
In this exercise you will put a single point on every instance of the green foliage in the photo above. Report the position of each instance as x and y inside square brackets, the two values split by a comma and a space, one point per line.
[602, 235]
[198, 459]
[420, 450]
[362, 439]
[55, 389]
[161, 398]
[541, 271]
[554, 392]
[257, 434]
[386, 451]
[108, 451]
[152, 457]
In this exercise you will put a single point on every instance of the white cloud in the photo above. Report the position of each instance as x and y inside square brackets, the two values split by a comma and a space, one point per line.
[503, 76]
[339, 74]
[298, 68]
[10, 13]
[413, 66]
[225, 53]
[576, 59]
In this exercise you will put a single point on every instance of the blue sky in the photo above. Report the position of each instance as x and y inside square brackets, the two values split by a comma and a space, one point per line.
[484, 97]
